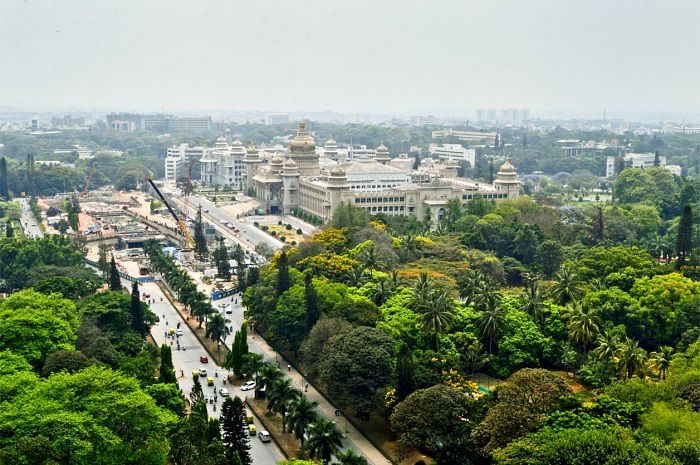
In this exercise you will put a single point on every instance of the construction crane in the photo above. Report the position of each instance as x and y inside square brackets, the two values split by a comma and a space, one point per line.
[89, 178]
[180, 224]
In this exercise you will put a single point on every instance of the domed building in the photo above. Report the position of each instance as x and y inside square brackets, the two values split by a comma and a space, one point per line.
[302, 150]
[223, 165]
[375, 184]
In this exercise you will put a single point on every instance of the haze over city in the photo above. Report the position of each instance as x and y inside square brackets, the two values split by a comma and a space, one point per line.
[443, 58]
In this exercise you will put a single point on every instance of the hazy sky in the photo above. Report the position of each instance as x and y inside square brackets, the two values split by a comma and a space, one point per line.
[379, 56]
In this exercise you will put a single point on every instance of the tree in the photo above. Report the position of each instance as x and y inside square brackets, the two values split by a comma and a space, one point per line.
[115, 283]
[630, 358]
[684, 240]
[370, 259]
[324, 439]
[90, 416]
[349, 457]
[491, 320]
[216, 329]
[587, 446]
[533, 301]
[279, 395]
[283, 282]
[436, 309]
[200, 242]
[491, 167]
[657, 160]
[136, 312]
[316, 343]
[301, 415]
[567, 287]
[223, 268]
[9, 232]
[313, 313]
[4, 191]
[357, 365]
[168, 396]
[523, 402]
[36, 325]
[405, 376]
[607, 346]
[102, 264]
[584, 324]
[660, 360]
[433, 419]
[235, 436]
[166, 374]
[69, 361]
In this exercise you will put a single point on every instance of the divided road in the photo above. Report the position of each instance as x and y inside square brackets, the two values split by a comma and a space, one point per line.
[29, 224]
[187, 360]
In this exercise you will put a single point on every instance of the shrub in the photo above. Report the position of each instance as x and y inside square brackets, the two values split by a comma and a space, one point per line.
[299, 231]
[256, 224]
[293, 243]
[273, 233]
[282, 238]
[279, 223]
[288, 227]
[265, 228]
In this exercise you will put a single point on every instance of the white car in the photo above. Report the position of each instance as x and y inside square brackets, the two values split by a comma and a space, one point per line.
[202, 372]
[223, 392]
[264, 436]
[178, 332]
[248, 386]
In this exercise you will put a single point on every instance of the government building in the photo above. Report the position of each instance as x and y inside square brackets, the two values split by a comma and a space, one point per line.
[302, 181]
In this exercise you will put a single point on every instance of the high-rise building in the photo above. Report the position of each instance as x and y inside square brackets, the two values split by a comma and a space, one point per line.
[179, 158]
[453, 151]
[67, 122]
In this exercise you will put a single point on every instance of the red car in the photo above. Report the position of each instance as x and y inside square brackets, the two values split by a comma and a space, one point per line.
[203, 359]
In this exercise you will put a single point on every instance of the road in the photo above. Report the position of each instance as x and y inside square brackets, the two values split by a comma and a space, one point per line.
[29, 224]
[249, 235]
[187, 360]
[353, 439]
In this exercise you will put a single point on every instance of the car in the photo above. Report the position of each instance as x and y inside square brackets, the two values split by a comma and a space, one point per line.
[206, 210]
[252, 430]
[229, 310]
[202, 372]
[210, 381]
[264, 436]
[146, 295]
[178, 332]
[203, 359]
[248, 386]
[224, 392]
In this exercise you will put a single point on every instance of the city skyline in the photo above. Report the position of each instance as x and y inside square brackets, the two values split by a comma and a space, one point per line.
[444, 58]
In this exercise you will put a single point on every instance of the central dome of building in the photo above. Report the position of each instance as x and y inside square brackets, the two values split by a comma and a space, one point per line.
[303, 142]
[303, 151]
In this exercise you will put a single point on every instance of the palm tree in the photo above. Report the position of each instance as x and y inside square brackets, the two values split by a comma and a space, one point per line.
[371, 259]
[607, 346]
[252, 363]
[324, 439]
[630, 358]
[491, 320]
[301, 415]
[584, 324]
[267, 375]
[280, 394]
[349, 457]
[383, 292]
[216, 328]
[533, 301]
[356, 276]
[438, 314]
[567, 288]
[395, 280]
[661, 360]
